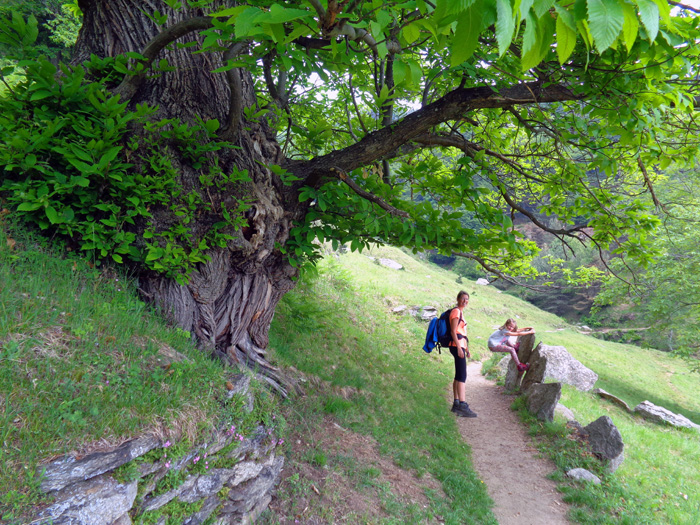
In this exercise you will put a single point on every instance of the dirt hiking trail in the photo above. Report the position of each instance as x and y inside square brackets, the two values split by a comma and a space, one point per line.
[514, 474]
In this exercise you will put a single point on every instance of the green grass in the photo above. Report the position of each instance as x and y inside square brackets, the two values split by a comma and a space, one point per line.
[339, 326]
[78, 366]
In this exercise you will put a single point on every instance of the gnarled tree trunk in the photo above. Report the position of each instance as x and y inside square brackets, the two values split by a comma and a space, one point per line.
[229, 302]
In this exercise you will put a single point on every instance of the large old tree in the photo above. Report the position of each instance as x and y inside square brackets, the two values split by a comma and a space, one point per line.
[260, 128]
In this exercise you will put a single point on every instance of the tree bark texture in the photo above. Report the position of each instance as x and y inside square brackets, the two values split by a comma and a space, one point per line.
[229, 302]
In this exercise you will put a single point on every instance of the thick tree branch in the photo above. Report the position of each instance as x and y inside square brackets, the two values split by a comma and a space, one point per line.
[452, 106]
[235, 106]
[130, 84]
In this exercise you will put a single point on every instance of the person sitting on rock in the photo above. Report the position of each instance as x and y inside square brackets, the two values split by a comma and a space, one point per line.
[499, 341]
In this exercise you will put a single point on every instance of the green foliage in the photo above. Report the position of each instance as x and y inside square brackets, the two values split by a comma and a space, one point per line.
[68, 167]
[662, 297]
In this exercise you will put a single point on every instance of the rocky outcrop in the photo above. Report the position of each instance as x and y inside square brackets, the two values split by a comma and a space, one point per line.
[70, 470]
[94, 490]
[541, 400]
[554, 362]
[658, 414]
[98, 501]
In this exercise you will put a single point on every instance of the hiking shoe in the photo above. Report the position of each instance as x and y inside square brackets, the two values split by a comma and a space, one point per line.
[523, 366]
[464, 410]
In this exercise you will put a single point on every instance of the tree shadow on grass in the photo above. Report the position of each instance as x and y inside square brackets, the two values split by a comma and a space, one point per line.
[634, 395]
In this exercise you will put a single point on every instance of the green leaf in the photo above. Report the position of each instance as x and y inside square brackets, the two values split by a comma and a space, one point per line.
[231, 11]
[566, 40]
[467, 34]
[665, 12]
[649, 13]
[400, 72]
[245, 22]
[542, 6]
[530, 34]
[605, 18]
[525, 6]
[630, 28]
[567, 17]
[411, 33]
[281, 15]
[53, 216]
[29, 206]
[505, 25]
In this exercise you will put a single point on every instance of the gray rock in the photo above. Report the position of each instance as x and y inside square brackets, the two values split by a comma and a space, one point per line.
[554, 362]
[68, 470]
[254, 496]
[541, 399]
[428, 313]
[614, 399]
[204, 513]
[399, 309]
[581, 474]
[483, 282]
[99, 501]
[605, 441]
[658, 414]
[527, 343]
[513, 377]
[564, 412]
[124, 519]
[389, 263]
[503, 365]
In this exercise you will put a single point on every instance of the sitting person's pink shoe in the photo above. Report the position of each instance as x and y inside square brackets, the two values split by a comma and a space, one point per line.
[523, 366]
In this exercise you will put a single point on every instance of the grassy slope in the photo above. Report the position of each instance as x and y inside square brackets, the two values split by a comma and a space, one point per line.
[79, 369]
[339, 326]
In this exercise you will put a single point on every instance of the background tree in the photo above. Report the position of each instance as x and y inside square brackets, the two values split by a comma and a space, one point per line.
[663, 297]
[211, 144]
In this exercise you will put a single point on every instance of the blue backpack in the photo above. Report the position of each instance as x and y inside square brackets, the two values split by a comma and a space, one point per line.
[438, 333]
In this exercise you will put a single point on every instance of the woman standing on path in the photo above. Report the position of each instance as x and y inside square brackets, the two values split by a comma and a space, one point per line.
[459, 348]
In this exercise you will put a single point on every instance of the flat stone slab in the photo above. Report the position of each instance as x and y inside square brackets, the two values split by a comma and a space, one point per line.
[613, 399]
[652, 412]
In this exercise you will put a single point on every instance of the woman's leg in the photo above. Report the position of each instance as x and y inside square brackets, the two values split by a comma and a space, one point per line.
[460, 375]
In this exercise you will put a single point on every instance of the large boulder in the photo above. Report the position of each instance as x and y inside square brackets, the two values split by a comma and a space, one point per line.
[542, 399]
[554, 362]
[658, 414]
[605, 441]
[513, 377]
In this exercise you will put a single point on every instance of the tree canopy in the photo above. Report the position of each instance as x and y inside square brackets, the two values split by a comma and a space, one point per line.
[260, 128]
